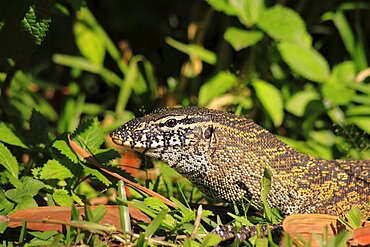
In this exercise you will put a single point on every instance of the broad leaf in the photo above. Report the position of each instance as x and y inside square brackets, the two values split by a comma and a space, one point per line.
[9, 162]
[271, 100]
[284, 24]
[54, 170]
[248, 11]
[298, 102]
[223, 6]
[28, 189]
[337, 93]
[8, 136]
[240, 38]
[343, 73]
[217, 85]
[306, 62]
[88, 41]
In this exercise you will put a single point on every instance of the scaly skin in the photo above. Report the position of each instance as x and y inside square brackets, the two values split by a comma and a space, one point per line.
[225, 157]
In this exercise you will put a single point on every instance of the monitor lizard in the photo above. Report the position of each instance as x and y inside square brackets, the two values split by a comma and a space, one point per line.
[225, 156]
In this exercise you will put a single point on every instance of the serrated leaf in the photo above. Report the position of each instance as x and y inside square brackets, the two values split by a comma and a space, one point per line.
[193, 50]
[62, 198]
[106, 155]
[39, 128]
[54, 170]
[155, 203]
[89, 135]
[271, 100]
[284, 24]
[248, 11]
[216, 86]
[89, 43]
[9, 161]
[306, 62]
[28, 188]
[23, 26]
[65, 149]
[298, 102]
[8, 136]
[97, 174]
[240, 38]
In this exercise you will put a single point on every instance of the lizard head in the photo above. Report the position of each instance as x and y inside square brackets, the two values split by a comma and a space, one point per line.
[166, 130]
[185, 138]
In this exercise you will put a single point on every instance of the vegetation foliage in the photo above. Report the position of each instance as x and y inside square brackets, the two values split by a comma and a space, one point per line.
[298, 68]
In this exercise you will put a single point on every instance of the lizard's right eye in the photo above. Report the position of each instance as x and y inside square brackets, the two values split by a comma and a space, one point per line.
[170, 123]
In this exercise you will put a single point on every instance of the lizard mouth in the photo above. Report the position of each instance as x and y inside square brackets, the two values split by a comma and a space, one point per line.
[120, 142]
[117, 141]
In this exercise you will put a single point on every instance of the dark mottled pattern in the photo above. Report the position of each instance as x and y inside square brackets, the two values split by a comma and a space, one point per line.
[225, 156]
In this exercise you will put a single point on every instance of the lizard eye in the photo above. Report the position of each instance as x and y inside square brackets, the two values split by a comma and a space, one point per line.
[170, 123]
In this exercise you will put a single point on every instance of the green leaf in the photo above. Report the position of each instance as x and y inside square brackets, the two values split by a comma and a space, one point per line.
[217, 85]
[39, 128]
[298, 102]
[271, 100]
[8, 136]
[26, 202]
[28, 188]
[106, 155]
[97, 174]
[88, 42]
[337, 93]
[344, 72]
[9, 162]
[240, 38]
[64, 149]
[193, 50]
[54, 170]
[223, 6]
[284, 24]
[361, 122]
[44, 235]
[155, 203]
[156, 223]
[338, 87]
[89, 135]
[5, 205]
[211, 240]
[354, 218]
[248, 11]
[363, 110]
[23, 26]
[306, 62]
[62, 198]
[86, 65]
[128, 84]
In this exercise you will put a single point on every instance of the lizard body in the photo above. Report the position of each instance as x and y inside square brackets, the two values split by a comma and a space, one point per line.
[225, 157]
